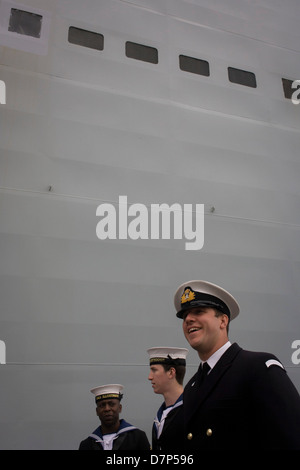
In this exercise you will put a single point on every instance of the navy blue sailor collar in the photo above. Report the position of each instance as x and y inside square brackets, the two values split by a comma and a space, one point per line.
[124, 427]
[163, 407]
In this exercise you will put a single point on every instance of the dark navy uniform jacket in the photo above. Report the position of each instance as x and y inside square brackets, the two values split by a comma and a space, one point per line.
[246, 402]
[171, 437]
[128, 437]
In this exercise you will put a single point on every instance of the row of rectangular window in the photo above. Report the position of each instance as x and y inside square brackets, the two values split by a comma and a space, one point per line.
[27, 23]
[149, 54]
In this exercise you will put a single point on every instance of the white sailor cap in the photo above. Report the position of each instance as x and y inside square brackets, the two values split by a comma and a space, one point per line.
[168, 356]
[105, 392]
[204, 294]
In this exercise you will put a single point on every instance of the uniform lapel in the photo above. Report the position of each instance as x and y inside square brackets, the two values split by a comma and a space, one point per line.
[170, 416]
[194, 396]
[119, 441]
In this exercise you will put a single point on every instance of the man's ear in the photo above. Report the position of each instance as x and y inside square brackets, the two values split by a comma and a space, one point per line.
[225, 321]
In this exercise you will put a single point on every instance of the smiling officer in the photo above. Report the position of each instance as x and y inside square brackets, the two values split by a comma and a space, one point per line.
[238, 399]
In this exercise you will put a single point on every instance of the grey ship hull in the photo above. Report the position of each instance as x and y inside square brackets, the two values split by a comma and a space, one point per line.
[82, 126]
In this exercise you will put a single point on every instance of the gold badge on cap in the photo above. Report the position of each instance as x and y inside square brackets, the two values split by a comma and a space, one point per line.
[188, 295]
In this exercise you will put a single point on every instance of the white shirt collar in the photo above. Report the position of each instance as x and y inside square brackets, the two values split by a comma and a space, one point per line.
[212, 361]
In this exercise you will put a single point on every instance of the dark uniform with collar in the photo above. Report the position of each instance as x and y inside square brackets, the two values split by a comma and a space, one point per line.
[247, 401]
[172, 436]
[127, 438]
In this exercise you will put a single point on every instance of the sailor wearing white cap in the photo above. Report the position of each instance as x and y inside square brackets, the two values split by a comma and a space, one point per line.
[108, 391]
[167, 370]
[238, 399]
[113, 433]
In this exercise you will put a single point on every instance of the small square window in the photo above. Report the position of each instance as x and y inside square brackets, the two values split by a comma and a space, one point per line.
[192, 65]
[24, 22]
[241, 77]
[84, 38]
[141, 52]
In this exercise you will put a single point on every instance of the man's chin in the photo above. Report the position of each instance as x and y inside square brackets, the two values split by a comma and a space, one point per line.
[109, 422]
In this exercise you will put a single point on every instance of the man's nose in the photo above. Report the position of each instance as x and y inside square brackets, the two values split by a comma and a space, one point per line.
[188, 317]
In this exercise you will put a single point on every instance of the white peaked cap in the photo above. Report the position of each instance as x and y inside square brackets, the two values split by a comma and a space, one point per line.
[204, 294]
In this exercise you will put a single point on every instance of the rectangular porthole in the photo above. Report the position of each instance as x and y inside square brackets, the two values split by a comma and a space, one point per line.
[192, 65]
[24, 22]
[85, 38]
[242, 77]
[141, 52]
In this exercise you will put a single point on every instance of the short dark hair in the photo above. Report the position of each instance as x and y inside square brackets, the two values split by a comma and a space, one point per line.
[180, 371]
[218, 313]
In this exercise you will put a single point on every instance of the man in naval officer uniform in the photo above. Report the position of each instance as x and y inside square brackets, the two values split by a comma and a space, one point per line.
[167, 371]
[113, 433]
[238, 399]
